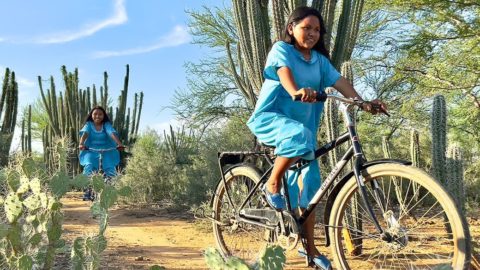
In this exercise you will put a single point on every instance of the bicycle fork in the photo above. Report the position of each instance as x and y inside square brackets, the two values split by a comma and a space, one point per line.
[359, 160]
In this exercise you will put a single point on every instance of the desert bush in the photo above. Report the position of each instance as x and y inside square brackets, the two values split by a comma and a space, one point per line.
[155, 174]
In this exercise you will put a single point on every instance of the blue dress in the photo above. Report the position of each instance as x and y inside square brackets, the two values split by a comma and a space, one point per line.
[291, 126]
[100, 140]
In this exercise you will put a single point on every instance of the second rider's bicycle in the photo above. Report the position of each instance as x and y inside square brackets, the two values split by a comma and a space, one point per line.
[384, 214]
[89, 194]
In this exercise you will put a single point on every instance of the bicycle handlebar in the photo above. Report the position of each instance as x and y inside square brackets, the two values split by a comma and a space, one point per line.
[101, 150]
[322, 97]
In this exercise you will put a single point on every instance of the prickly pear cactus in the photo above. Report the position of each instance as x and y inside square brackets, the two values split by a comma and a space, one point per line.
[33, 232]
[86, 252]
[272, 257]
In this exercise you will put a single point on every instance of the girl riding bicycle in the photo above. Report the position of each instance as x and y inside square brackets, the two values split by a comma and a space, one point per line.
[99, 133]
[297, 66]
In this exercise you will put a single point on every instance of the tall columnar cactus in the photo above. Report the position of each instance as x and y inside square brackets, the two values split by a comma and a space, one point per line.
[455, 175]
[27, 132]
[415, 157]
[67, 112]
[8, 114]
[439, 138]
[415, 148]
[253, 29]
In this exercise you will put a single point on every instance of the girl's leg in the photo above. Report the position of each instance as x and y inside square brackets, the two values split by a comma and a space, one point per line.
[280, 166]
[89, 169]
[110, 171]
[308, 227]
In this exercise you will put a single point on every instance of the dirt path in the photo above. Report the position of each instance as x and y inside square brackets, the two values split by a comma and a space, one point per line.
[141, 238]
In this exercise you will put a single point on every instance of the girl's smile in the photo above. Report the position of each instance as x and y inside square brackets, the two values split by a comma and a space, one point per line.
[97, 116]
[306, 34]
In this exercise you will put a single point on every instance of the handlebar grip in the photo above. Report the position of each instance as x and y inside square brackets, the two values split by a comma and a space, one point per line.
[379, 108]
[321, 97]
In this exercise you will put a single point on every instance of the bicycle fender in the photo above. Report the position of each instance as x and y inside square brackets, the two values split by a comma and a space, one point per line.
[229, 168]
[333, 193]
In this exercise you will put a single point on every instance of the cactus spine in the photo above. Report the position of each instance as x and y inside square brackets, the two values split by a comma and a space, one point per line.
[439, 138]
[66, 113]
[8, 114]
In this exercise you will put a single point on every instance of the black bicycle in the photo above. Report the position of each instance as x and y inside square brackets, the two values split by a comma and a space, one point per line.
[384, 214]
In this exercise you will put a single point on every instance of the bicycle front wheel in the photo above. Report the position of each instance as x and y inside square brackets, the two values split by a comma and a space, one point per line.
[425, 228]
[234, 237]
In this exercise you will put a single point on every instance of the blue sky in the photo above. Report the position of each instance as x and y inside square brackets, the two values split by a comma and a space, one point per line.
[38, 37]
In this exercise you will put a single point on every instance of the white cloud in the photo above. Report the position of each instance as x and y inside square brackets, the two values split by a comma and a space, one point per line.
[119, 17]
[23, 82]
[178, 36]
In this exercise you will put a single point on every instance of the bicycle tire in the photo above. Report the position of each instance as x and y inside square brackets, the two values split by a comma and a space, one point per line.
[235, 238]
[420, 241]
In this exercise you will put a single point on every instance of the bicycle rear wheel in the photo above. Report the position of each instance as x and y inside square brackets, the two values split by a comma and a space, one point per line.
[233, 237]
[427, 230]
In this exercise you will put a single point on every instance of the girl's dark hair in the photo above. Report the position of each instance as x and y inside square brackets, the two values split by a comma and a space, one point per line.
[105, 115]
[298, 15]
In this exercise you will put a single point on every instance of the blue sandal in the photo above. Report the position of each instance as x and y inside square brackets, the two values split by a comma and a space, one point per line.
[276, 200]
[319, 261]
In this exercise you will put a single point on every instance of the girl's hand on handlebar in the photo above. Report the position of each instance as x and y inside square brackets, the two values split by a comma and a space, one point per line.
[375, 106]
[121, 147]
[307, 94]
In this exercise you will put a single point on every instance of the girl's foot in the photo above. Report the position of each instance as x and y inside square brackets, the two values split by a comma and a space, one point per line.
[275, 200]
[317, 260]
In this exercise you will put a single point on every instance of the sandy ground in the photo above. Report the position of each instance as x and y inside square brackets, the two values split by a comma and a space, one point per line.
[139, 238]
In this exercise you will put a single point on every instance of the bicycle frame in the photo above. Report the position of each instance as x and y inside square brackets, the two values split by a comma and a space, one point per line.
[354, 151]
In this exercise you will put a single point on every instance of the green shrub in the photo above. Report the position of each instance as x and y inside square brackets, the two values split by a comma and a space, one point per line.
[155, 173]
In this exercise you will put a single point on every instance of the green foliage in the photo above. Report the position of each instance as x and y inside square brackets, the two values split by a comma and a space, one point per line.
[154, 174]
[429, 48]
[272, 257]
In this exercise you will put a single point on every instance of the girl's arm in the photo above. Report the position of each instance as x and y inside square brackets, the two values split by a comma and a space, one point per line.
[113, 134]
[83, 138]
[346, 89]
[117, 141]
[288, 82]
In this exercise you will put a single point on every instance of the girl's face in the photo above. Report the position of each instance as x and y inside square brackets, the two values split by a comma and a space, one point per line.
[97, 116]
[306, 33]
